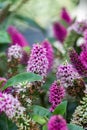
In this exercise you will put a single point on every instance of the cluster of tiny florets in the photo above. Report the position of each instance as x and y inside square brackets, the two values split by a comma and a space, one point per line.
[80, 114]
[10, 105]
[56, 94]
[38, 62]
[77, 63]
[14, 51]
[67, 74]
[57, 122]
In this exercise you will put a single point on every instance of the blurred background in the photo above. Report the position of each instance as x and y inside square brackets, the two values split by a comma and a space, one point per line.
[34, 18]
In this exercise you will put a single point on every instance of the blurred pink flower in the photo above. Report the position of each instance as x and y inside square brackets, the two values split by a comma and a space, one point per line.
[65, 16]
[17, 37]
[60, 32]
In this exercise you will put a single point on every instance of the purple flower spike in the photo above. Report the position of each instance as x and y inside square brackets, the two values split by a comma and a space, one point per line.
[10, 105]
[83, 57]
[38, 62]
[49, 53]
[16, 37]
[77, 63]
[60, 31]
[56, 94]
[57, 122]
[67, 74]
[65, 16]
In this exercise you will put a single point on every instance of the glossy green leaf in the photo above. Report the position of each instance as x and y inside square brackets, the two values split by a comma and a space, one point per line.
[6, 124]
[71, 39]
[39, 119]
[4, 37]
[61, 108]
[41, 111]
[22, 77]
[74, 127]
[50, 79]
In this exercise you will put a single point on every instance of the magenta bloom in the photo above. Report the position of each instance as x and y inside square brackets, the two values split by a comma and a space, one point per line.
[38, 62]
[65, 16]
[10, 105]
[60, 31]
[83, 57]
[56, 94]
[16, 37]
[49, 53]
[77, 63]
[66, 74]
[57, 122]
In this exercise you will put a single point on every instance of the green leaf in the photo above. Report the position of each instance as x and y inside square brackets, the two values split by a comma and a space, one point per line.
[71, 39]
[39, 119]
[26, 76]
[74, 127]
[31, 22]
[44, 127]
[61, 108]
[4, 37]
[50, 79]
[41, 111]
[6, 124]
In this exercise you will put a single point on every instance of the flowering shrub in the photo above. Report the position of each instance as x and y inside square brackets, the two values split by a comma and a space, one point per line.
[42, 87]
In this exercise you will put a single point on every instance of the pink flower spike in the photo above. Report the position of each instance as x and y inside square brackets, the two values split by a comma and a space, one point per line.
[66, 74]
[10, 105]
[17, 37]
[49, 53]
[38, 62]
[77, 63]
[65, 16]
[60, 31]
[57, 122]
[56, 94]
